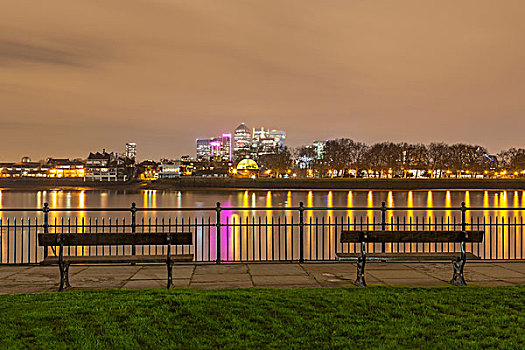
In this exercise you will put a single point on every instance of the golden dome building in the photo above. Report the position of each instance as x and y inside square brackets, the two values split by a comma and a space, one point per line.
[247, 168]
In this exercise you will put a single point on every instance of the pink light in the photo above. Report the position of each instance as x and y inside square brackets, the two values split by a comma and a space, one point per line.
[227, 135]
[215, 144]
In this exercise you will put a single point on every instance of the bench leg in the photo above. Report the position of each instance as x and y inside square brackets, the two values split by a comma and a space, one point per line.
[170, 281]
[360, 281]
[66, 274]
[63, 268]
[457, 277]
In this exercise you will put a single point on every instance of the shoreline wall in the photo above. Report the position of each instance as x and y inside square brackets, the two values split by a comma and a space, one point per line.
[234, 183]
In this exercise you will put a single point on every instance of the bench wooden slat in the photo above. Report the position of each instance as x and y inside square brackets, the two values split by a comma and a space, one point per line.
[99, 239]
[410, 236]
[405, 256]
[117, 259]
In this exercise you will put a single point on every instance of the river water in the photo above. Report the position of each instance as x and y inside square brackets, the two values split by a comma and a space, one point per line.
[265, 229]
[152, 199]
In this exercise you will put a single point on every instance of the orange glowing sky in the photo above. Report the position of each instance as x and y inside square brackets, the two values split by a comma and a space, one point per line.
[77, 76]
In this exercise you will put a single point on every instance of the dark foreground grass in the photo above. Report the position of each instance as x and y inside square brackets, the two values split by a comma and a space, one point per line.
[301, 318]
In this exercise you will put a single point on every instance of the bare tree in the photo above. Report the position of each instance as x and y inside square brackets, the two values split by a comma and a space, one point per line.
[279, 162]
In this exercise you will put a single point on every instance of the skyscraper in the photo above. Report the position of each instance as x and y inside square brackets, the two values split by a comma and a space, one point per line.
[266, 141]
[203, 148]
[227, 146]
[131, 150]
[216, 148]
[242, 137]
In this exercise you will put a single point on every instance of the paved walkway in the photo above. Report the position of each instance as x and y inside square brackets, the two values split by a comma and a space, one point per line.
[32, 279]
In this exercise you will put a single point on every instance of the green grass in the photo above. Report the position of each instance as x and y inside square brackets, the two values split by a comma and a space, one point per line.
[374, 317]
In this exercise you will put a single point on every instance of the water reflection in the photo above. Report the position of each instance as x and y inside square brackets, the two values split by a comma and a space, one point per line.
[443, 206]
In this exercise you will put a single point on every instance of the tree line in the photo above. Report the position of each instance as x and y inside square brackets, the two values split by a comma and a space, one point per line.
[343, 156]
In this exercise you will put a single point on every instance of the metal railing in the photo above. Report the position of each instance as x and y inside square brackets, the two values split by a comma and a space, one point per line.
[240, 234]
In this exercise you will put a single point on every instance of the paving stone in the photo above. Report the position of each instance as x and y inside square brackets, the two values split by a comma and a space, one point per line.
[516, 281]
[283, 280]
[27, 288]
[7, 270]
[143, 284]
[395, 274]
[225, 285]
[372, 265]
[474, 276]
[513, 267]
[289, 286]
[415, 282]
[35, 278]
[220, 269]
[352, 277]
[275, 269]
[518, 267]
[442, 271]
[490, 283]
[161, 272]
[223, 277]
[112, 270]
[329, 267]
[496, 272]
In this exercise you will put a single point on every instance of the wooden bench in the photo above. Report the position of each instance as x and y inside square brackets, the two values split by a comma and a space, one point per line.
[112, 239]
[364, 237]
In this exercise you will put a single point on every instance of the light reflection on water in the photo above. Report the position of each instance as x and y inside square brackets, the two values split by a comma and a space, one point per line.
[442, 207]
[151, 199]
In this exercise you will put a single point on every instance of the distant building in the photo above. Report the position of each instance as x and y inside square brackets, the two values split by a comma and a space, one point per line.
[131, 150]
[265, 141]
[149, 170]
[203, 148]
[62, 167]
[242, 141]
[169, 170]
[247, 168]
[227, 147]
[319, 148]
[105, 167]
[217, 148]
[25, 168]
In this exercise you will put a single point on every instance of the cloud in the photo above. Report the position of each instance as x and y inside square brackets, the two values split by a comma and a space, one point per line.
[48, 52]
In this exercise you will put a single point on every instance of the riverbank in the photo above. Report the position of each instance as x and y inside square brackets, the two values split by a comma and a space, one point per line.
[198, 183]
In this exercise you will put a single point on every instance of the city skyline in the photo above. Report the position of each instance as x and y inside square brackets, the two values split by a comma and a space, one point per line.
[82, 74]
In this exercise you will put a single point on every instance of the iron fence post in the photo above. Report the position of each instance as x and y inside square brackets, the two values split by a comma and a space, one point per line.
[301, 232]
[463, 216]
[218, 232]
[383, 224]
[45, 210]
[133, 224]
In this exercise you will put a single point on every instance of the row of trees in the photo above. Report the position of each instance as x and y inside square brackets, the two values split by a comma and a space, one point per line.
[441, 159]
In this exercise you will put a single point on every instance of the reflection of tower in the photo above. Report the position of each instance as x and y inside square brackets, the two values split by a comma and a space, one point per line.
[242, 138]
[131, 150]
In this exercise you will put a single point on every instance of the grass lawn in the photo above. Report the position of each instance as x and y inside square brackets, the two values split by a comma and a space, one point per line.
[378, 317]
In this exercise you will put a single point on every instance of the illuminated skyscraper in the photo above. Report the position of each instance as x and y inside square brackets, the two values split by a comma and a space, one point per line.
[266, 141]
[227, 146]
[203, 148]
[131, 150]
[242, 137]
[217, 148]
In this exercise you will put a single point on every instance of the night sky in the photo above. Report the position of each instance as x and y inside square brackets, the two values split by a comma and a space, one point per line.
[79, 76]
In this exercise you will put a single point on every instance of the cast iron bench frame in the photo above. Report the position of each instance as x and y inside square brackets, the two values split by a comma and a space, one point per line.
[62, 240]
[400, 236]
